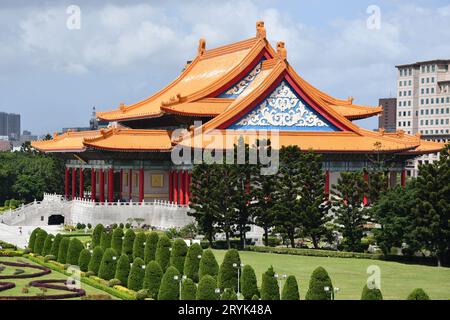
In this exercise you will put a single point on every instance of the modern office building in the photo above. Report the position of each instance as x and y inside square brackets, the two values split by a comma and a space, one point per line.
[388, 118]
[10, 125]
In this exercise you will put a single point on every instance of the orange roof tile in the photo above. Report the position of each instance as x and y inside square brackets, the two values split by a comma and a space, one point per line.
[356, 112]
[66, 142]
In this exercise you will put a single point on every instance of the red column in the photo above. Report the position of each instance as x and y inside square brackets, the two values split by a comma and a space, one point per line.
[175, 186]
[110, 185]
[93, 185]
[182, 187]
[81, 191]
[66, 183]
[366, 179]
[130, 185]
[403, 178]
[101, 185]
[121, 183]
[186, 187]
[74, 182]
[170, 186]
[141, 184]
[327, 182]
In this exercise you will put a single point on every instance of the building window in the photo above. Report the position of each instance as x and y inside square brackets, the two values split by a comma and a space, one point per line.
[399, 124]
[432, 90]
[421, 122]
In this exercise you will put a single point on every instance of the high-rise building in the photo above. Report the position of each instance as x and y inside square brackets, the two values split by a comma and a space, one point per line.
[387, 120]
[423, 103]
[10, 125]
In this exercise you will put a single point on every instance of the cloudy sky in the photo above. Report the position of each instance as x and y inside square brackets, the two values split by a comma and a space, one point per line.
[53, 76]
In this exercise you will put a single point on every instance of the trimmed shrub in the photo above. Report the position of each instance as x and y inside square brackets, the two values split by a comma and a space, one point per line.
[116, 241]
[150, 246]
[163, 252]
[97, 235]
[55, 245]
[208, 264]
[229, 294]
[48, 245]
[255, 297]
[96, 259]
[63, 247]
[123, 269]
[138, 245]
[418, 294]
[207, 288]
[152, 278]
[371, 294]
[40, 240]
[105, 239]
[121, 226]
[269, 286]
[73, 253]
[228, 275]
[319, 280]
[127, 245]
[290, 289]
[83, 261]
[136, 277]
[188, 290]
[169, 289]
[249, 285]
[32, 239]
[142, 294]
[192, 261]
[108, 265]
[178, 254]
[128, 226]
[115, 282]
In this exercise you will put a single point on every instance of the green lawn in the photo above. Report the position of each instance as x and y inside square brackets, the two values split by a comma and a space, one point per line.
[397, 279]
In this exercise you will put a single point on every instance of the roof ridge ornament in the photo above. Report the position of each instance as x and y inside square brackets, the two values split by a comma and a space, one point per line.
[201, 46]
[260, 29]
[281, 50]
[350, 99]
[122, 107]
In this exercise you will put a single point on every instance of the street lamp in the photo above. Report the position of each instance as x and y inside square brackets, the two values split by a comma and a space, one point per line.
[238, 267]
[180, 280]
[332, 291]
[279, 279]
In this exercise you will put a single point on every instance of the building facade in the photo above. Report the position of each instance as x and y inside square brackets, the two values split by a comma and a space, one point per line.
[388, 118]
[10, 125]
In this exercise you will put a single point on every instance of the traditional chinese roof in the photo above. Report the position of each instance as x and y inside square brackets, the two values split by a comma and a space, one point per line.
[67, 142]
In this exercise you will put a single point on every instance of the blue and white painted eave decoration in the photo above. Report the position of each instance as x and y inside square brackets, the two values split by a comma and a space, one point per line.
[239, 87]
[283, 110]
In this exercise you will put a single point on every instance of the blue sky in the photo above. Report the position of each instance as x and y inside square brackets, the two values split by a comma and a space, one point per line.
[53, 76]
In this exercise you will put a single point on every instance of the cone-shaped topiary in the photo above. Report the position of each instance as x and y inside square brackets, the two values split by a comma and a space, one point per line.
[249, 286]
[371, 294]
[255, 297]
[97, 235]
[40, 241]
[319, 280]
[127, 245]
[62, 252]
[228, 273]
[152, 278]
[229, 294]
[136, 277]
[48, 245]
[123, 269]
[55, 246]
[208, 264]
[418, 294]
[83, 261]
[105, 239]
[188, 290]
[269, 286]
[138, 245]
[150, 246]
[96, 260]
[290, 289]
[32, 239]
[108, 265]
[178, 254]
[169, 289]
[163, 252]
[207, 288]
[116, 241]
[192, 261]
[74, 250]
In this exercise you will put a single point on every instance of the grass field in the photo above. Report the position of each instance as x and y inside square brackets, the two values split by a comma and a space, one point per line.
[397, 279]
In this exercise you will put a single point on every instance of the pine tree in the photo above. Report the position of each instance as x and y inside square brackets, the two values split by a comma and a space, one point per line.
[96, 235]
[116, 242]
[136, 277]
[83, 261]
[62, 250]
[228, 272]
[40, 241]
[123, 269]
[127, 245]
[73, 252]
[150, 246]
[152, 278]
[378, 184]
[319, 280]
[169, 289]
[269, 286]
[32, 240]
[192, 261]
[208, 264]
[138, 245]
[290, 289]
[48, 244]
[207, 289]
[178, 254]
[163, 252]
[105, 239]
[96, 260]
[249, 286]
[188, 290]
[55, 246]
[108, 265]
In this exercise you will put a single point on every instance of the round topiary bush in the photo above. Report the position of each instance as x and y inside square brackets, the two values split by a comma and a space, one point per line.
[136, 277]
[121, 226]
[249, 285]
[97, 235]
[40, 241]
[127, 225]
[73, 253]
[290, 289]
[142, 294]
[108, 265]
[62, 252]
[127, 245]
[152, 278]
[96, 260]
[169, 289]
[163, 252]
[138, 245]
[371, 294]
[192, 261]
[418, 294]
[207, 288]
[208, 264]
[188, 290]
[178, 254]
[116, 241]
[228, 274]
[269, 286]
[83, 261]
[55, 245]
[32, 239]
[150, 246]
[48, 245]
[105, 239]
[319, 280]
[123, 269]
[229, 294]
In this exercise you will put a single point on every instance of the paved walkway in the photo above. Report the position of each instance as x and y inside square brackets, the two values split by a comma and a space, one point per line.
[12, 235]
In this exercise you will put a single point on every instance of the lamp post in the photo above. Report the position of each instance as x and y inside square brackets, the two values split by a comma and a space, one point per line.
[238, 267]
[332, 291]
[279, 279]
[180, 281]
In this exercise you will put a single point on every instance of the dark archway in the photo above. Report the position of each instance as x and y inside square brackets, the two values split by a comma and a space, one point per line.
[55, 219]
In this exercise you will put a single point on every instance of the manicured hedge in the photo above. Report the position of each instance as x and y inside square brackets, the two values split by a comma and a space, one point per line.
[150, 246]
[178, 254]
[138, 245]
[105, 239]
[269, 286]
[136, 277]
[188, 290]
[228, 274]
[229, 294]
[96, 260]
[418, 294]
[62, 251]
[152, 278]
[83, 261]
[123, 269]
[32, 240]
[116, 242]
[290, 289]
[163, 252]
[73, 252]
[97, 235]
[192, 261]
[249, 285]
[40, 241]
[371, 294]
[169, 289]
[48, 245]
[127, 245]
[208, 264]
[55, 245]
[108, 265]
[319, 280]
[207, 288]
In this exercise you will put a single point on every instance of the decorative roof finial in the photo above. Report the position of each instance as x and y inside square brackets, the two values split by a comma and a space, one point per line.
[350, 99]
[260, 29]
[55, 135]
[281, 50]
[122, 106]
[201, 46]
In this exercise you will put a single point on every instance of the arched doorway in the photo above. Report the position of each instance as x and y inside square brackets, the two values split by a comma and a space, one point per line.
[55, 219]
